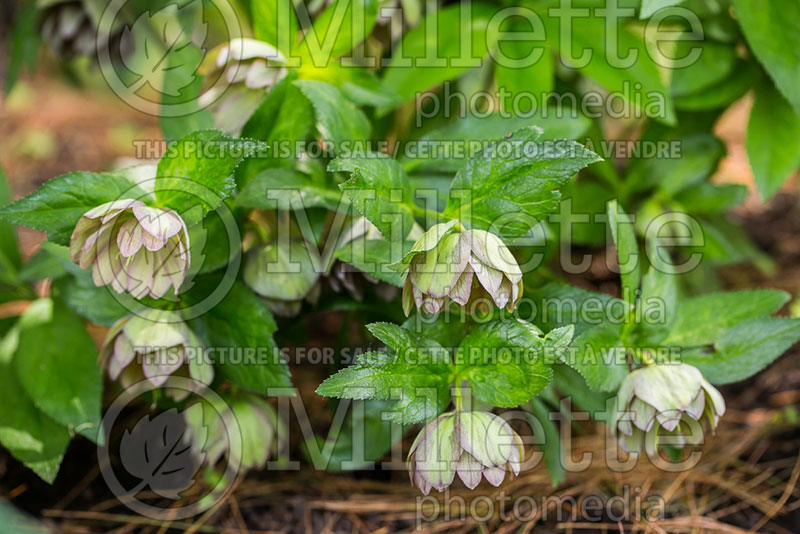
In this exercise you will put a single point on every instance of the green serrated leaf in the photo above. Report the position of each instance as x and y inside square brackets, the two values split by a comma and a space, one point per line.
[512, 185]
[56, 206]
[58, 369]
[467, 131]
[504, 362]
[701, 320]
[745, 349]
[599, 355]
[340, 123]
[195, 174]
[241, 323]
[415, 375]
[379, 190]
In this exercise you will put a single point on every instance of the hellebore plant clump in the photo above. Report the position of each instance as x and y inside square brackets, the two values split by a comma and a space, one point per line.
[272, 209]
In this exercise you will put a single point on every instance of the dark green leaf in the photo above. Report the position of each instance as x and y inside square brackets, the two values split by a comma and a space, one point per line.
[379, 190]
[513, 183]
[771, 31]
[745, 349]
[340, 123]
[628, 255]
[31, 436]
[505, 362]
[773, 139]
[56, 206]
[58, 369]
[701, 320]
[195, 174]
[599, 355]
[241, 323]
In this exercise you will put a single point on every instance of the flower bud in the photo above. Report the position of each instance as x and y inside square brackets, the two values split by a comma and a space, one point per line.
[258, 426]
[463, 266]
[470, 444]
[249, 67]
[154, 347]
[132, 247]
[661, 400]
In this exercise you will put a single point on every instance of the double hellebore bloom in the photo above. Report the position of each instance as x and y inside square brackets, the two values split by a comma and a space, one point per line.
[242, 69]
[464, 266]
[132, 247]
[664, 400]
[259, 428]
[154, 346]
[470, 444]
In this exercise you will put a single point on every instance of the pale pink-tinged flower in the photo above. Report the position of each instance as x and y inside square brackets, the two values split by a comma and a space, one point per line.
[463, 266]
[132, 247]
[471, 445]
[246, 68]
[664, 400]
[154, 346]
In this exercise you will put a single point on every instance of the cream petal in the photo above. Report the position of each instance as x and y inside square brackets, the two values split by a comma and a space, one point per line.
[469, 470]
[122, 357]
[109, 210]
[129, 238]
[260, 75]
[463, 287]
[245, 48]
[161, 224]
[494, 475]
[83, 229]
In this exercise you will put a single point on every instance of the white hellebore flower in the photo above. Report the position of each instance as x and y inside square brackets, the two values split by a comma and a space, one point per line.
[240, 70]
[463, 266]
[664, 400]
[132, 247]
[470, 444]
[155, 347]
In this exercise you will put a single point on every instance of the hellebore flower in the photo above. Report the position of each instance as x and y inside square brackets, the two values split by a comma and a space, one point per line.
[463, 266]
[660, 400]
[154, 347]
[249, 67]
[470, 444]
[211, 434]
[132, 247]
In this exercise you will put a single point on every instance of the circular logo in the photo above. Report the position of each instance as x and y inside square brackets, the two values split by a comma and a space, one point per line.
[160, 51]
[161, 457]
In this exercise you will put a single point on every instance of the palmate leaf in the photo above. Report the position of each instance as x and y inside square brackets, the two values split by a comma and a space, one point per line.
[513, 183]
[415, 374]
[505, 361]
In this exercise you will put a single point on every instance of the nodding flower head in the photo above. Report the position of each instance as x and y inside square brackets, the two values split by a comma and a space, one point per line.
[664, 400]
[132, 247]
[154, 346]
[467, 266]
[469, 444]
